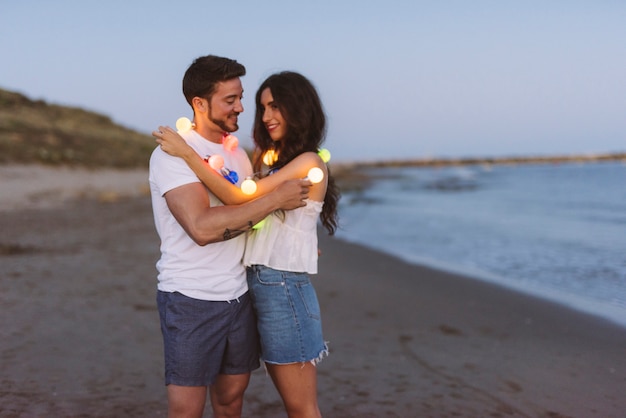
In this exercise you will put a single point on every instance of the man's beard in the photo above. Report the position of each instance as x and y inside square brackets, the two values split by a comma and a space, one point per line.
[223, 126]
[222, 123]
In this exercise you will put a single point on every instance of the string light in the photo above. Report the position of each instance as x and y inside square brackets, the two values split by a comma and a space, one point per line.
[184, 125]
[270, 157]
[248, 186]
[315, 175]
[260, 224]
[324, 155]
[230, 142]
[216, 162]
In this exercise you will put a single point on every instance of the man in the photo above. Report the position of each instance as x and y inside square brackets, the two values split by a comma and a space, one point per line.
[208, 326]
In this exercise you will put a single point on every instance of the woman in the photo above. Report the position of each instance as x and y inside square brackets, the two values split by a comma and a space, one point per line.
[280, 255]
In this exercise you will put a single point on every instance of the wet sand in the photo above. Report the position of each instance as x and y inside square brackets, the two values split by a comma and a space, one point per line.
[80, 332]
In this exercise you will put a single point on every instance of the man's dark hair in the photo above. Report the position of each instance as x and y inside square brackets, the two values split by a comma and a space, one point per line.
[205, 72]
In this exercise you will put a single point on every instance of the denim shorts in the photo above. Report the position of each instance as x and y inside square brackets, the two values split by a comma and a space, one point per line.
[202, 338]
[288, 316]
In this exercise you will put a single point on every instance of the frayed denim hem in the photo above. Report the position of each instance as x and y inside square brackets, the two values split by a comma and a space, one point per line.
[324, 353]
[315, 361]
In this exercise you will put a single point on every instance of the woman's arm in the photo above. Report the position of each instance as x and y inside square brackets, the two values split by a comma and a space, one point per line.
[172, 143]
[296, 169]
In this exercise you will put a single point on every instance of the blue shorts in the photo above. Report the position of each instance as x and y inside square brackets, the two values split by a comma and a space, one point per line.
[288, 316]
[202, 338]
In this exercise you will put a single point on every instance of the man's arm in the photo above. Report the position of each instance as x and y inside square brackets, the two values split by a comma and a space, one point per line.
[191, 207]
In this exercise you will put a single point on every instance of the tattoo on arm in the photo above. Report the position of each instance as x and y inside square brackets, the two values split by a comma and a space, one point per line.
[230, 234]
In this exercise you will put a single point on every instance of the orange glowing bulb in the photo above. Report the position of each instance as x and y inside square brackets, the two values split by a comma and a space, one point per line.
[269, 157]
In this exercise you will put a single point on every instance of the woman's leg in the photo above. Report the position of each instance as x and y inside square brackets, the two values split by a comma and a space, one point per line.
[297, 385]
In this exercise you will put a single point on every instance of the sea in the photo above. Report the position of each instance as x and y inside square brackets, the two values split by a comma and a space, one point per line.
[556, 231]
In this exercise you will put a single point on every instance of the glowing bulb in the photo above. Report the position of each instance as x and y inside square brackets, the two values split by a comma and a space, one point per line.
[315, 175]
[259, 225]
[324, 155]
[216, 162]
[269, 157]
[230, 142]
[183, 124]
[248, 186]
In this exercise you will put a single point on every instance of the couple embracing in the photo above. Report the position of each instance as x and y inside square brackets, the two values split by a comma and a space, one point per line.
[232, 289]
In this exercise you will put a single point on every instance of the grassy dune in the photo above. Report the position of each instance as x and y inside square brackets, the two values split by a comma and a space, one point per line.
[33, 131]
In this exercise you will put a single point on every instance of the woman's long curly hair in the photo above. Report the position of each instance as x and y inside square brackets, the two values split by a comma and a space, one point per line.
[300, 106]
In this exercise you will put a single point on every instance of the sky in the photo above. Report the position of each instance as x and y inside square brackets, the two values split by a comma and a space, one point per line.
[399, 79]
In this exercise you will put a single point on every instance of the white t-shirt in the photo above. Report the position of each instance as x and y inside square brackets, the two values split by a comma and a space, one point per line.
[211, 272]
[287, 240]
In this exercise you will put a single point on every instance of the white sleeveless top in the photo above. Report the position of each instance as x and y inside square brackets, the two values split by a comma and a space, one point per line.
[288, 242]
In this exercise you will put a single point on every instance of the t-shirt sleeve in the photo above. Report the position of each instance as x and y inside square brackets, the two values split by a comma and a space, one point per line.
[168, 172]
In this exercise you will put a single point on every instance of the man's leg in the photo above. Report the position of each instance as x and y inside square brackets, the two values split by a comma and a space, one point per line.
[227, 394]
[185, 401]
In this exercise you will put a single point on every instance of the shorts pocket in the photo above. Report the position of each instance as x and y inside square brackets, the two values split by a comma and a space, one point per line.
[309, 299]
[269, 277]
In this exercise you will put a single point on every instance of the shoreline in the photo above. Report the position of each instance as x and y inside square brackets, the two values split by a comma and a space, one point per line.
[81, 334]
[573, 302]
[481, 338]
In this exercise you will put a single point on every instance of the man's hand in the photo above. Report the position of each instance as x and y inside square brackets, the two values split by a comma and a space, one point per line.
[172, 143]
[291, 194]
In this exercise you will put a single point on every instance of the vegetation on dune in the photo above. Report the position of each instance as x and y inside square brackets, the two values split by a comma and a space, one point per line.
[33, 131]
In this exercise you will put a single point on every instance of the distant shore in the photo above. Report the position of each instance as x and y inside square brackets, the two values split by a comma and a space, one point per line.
[440, 162]
[354, 176]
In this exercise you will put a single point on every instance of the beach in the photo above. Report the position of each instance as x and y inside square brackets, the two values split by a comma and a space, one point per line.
[80, 332]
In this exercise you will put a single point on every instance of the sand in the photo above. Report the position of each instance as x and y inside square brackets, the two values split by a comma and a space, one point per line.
[40, 187]
[80, 332]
